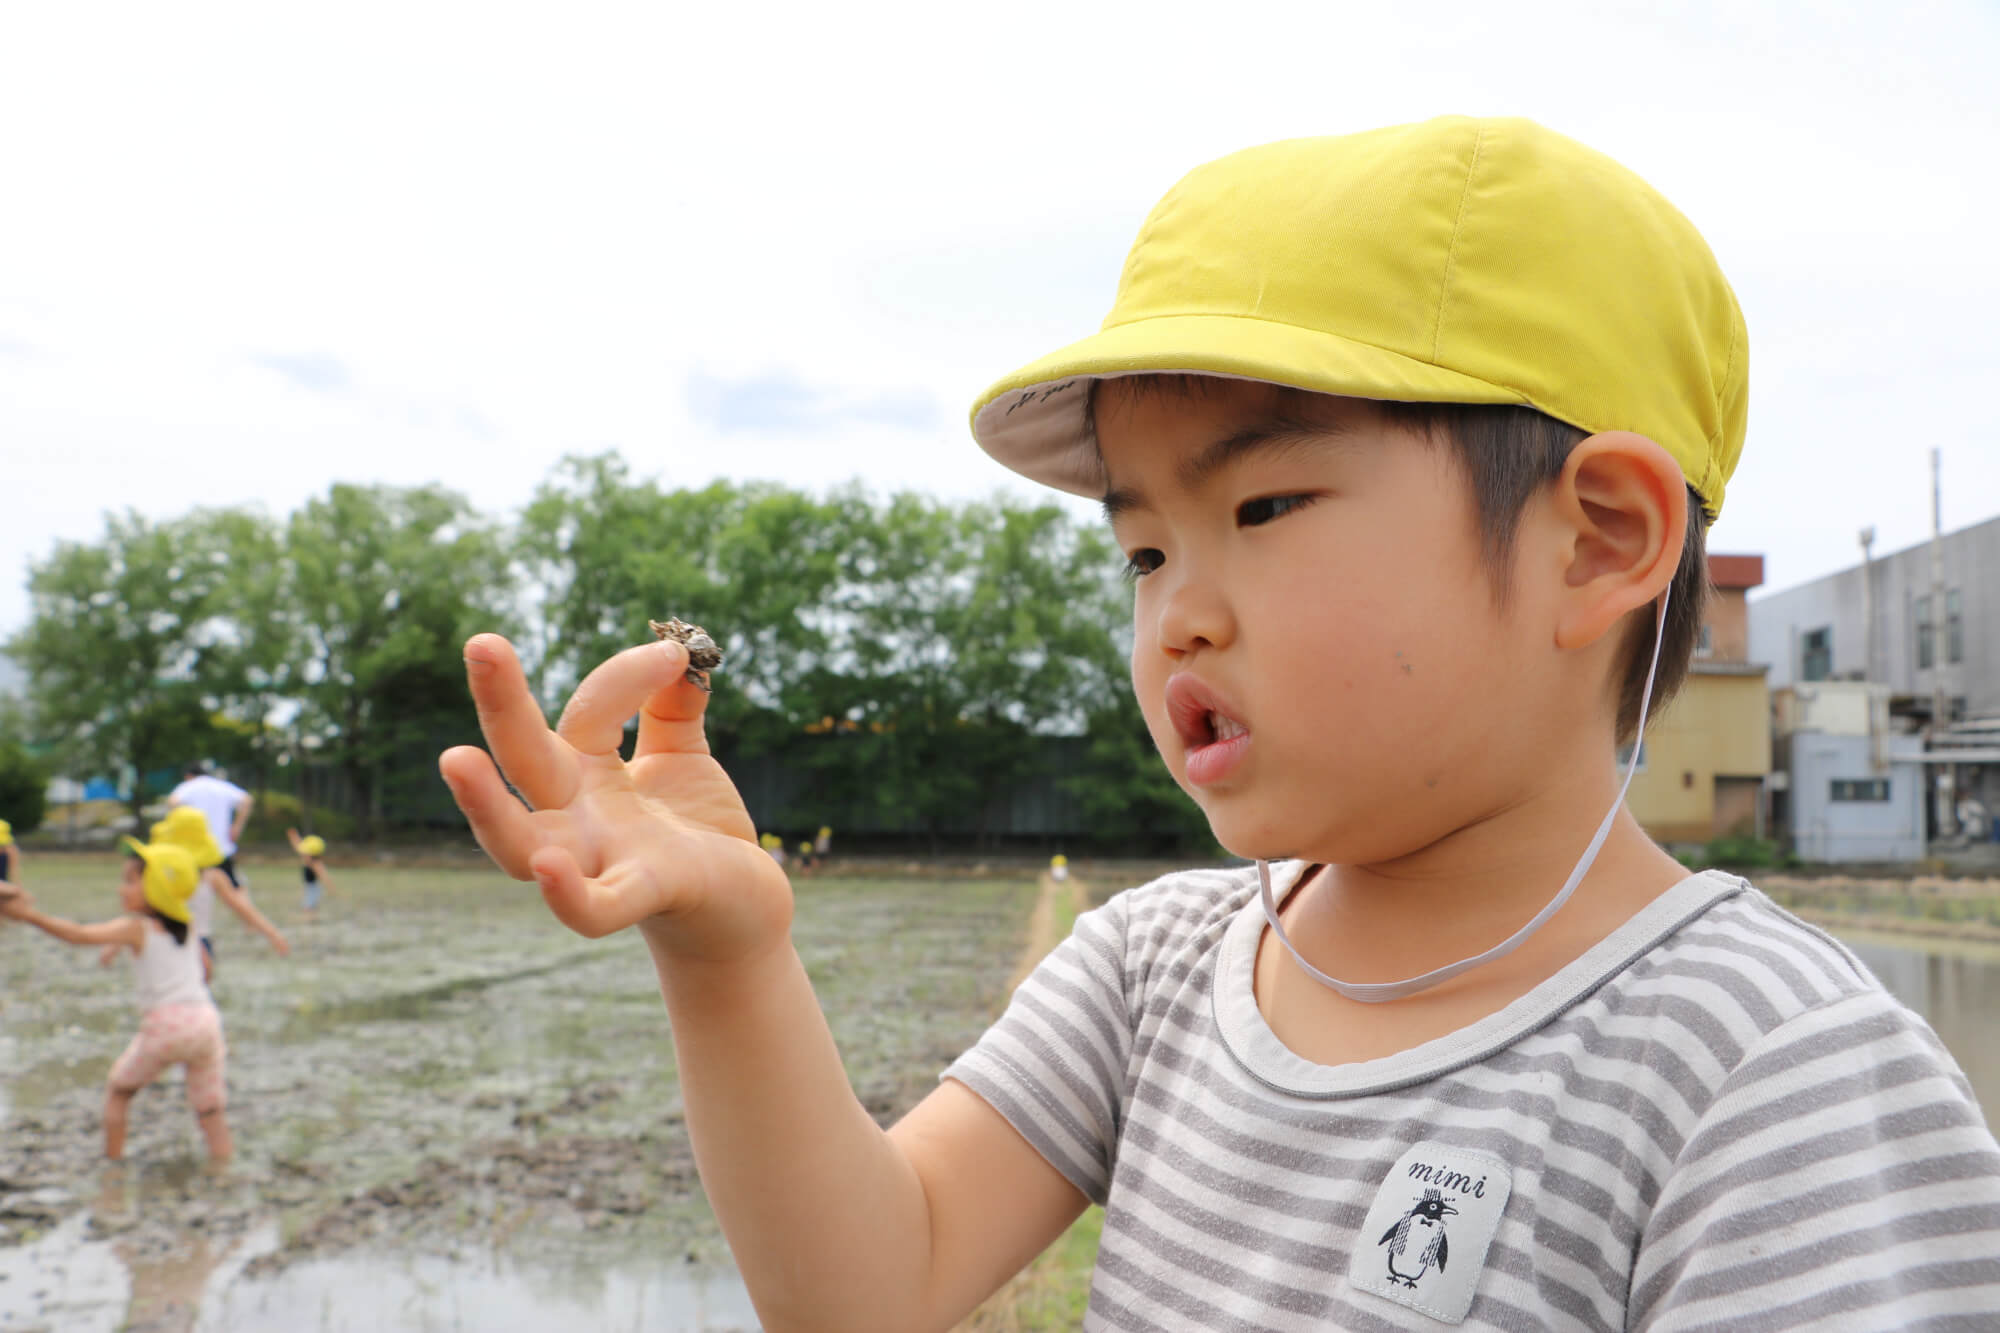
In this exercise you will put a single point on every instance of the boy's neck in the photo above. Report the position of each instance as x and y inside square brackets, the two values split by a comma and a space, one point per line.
[1472, 889]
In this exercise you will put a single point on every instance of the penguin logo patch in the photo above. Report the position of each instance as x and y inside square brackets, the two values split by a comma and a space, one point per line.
[1433, 1218]
[1432, 1247]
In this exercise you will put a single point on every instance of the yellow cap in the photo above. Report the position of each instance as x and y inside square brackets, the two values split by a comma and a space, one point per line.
[825, 831]
[6, 833]
[1453, 261]
[1058, 860]
[312, 845]
[171, 876]
[805, 849]
[187, 827]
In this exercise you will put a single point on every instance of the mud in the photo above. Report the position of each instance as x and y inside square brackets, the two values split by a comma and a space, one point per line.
[440, 1091]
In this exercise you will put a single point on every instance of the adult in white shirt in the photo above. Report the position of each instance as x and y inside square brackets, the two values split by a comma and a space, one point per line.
[226, 807]
[223, 804]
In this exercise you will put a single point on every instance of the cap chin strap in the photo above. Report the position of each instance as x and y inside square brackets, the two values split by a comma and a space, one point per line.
[1376, 992]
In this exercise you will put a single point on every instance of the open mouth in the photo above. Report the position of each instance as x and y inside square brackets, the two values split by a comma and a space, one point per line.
[1215, 739]
[1224, 728]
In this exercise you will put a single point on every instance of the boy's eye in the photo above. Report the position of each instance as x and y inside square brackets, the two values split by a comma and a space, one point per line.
[1143, 562]
[1251, 513]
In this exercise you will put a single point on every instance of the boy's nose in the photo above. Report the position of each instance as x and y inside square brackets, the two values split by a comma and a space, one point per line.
[1193, 615]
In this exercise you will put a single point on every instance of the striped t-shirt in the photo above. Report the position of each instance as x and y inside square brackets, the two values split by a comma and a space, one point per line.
[1716, 1117]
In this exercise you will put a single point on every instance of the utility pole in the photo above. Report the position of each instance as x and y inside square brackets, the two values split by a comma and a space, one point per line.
[1868, 603]
[1945, 787]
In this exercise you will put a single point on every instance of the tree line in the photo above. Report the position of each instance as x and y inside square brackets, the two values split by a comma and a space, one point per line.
[936, 649]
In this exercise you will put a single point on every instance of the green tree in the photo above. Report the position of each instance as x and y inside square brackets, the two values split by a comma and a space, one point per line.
[386, 584]
[964, 636]
[24, 787]
[250, 676]
[754, 564]
[125, 642]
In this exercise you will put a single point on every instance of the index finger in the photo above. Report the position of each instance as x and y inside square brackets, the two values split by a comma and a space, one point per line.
[540, 766]
[594, 721]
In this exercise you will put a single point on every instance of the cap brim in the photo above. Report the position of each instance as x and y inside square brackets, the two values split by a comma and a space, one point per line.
[1033, 420]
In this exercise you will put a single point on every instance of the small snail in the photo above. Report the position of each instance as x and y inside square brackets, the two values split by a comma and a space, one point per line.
[703, 655]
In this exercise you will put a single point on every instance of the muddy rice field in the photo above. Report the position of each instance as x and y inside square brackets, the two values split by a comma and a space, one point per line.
[452, 1114]
[449, 1112]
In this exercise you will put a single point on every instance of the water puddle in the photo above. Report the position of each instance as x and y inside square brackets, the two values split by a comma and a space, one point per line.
[489, 1293]
[76, 1279]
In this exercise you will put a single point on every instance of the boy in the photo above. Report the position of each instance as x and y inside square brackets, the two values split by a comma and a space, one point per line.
[1410, 438]
[313, 873]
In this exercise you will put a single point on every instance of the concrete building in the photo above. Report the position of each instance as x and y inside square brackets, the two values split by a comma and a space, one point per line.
[1879, 622]
[1706, 758]
[1850, 784]
[1818, 630]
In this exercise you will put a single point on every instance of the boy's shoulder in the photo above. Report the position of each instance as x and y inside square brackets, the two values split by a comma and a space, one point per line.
[1743, 950]
[1181, 906]
[1712, 952]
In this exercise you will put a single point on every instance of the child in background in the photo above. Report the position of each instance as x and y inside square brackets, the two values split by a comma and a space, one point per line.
[1410, 439]
[1058, 867]
[10, 855]
[312, 870]
[186, 827]
[822, 844]
[178, 1022]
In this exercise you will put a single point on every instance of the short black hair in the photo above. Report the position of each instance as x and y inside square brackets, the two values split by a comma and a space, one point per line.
[1508, 454]
[196, 769]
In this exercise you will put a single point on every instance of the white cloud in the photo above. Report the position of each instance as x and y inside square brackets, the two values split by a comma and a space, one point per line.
[496, 236]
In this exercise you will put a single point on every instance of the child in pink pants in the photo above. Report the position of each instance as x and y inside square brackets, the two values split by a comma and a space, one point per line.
[179, 1024]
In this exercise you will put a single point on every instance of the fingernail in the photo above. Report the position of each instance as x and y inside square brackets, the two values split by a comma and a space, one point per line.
[477, 666]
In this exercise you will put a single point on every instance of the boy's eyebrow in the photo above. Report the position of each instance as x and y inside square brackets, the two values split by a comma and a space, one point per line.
[1280, 434]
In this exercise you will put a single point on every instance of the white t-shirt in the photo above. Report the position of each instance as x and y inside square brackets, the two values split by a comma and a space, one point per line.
[217, 800]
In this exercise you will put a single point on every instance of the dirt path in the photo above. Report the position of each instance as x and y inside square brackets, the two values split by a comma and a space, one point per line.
[1049, 1293]
[1057, 906]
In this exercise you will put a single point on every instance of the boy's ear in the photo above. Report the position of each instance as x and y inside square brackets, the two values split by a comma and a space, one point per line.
[1621, 508]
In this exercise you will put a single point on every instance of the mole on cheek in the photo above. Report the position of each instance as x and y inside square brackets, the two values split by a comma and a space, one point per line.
[1409, 668]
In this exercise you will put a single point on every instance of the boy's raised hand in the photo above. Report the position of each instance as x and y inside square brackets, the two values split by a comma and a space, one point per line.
[662, 841]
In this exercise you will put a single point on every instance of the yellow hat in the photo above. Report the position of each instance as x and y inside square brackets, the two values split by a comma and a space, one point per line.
[805, 849]
[6, 834]
[1058, 860]
[825, 831]
[312, 845]
[1453, 261]
[187, 827]
[171, 876]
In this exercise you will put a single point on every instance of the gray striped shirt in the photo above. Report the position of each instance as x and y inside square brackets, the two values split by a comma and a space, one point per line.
[1716, 1116]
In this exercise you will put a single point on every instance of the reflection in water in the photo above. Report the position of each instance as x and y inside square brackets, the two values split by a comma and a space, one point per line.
[73, 1280]
[422, 1293]
[1956, 987]
[64, 1279]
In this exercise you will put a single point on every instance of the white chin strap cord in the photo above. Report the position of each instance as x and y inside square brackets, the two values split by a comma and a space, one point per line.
[1378, 991]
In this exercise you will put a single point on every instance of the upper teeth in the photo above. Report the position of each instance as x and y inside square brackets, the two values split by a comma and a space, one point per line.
[1225, 727]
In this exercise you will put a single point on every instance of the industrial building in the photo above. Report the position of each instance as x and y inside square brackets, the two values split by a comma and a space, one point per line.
[1923, 625]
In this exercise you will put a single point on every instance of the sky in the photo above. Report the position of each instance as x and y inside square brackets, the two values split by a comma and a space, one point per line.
[246, 252]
